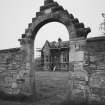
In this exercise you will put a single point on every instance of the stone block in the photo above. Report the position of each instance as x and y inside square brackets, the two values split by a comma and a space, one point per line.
[78, 66]
[97, 80]
[76, 56]
[47, 11]
[79, 75]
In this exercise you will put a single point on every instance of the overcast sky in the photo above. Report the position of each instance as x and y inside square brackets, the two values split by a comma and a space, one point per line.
[15, 15]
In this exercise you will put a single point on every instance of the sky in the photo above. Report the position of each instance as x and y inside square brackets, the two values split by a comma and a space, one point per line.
[15, 15]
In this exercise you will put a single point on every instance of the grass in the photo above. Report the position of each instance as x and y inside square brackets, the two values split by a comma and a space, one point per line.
[52, 87]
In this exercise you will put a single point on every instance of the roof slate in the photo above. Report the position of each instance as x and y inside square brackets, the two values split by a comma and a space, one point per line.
[62, 44]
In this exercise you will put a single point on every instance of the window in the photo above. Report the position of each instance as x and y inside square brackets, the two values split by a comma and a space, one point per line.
[47, 59]
[65, 58]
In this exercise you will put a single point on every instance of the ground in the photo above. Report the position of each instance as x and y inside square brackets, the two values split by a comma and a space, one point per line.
[52, 89]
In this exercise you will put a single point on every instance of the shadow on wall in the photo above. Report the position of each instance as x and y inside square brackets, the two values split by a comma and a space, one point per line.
[81, 103]
[17, 98]
[29, 100]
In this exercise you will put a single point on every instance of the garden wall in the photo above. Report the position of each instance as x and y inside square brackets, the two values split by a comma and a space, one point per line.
[14, 76]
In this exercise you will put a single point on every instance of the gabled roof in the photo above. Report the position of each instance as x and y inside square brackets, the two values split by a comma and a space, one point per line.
[62, 44]
[47, 42]
[56, 45]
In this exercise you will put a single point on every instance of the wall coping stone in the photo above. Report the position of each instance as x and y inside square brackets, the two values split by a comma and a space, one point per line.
[100, 38]
[10, 50]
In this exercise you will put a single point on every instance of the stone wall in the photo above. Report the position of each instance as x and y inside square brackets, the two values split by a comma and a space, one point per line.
[95, 66]
[14, 78]
[87, 61]
[79, 75]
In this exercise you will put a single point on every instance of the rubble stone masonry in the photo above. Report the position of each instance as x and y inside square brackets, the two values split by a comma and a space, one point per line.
[14, 77]
[87, 63]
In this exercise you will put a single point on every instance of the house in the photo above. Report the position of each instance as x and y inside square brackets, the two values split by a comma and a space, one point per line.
[55, 55]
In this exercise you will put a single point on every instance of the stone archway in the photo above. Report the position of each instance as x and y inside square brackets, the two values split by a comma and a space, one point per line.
[50, 12]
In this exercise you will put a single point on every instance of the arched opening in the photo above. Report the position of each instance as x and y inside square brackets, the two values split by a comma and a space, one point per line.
[52, 42]
[51, 46]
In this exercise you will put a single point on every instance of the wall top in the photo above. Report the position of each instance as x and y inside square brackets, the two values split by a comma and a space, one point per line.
[93, 39]
[46, 2]
[10, 50]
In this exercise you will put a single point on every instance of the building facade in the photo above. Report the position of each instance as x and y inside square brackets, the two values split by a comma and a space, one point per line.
[55, 55]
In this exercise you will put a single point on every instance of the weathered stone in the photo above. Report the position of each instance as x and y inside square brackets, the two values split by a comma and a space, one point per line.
[76, 56]
[86, 57]
[12, 68]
